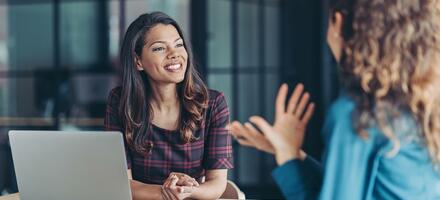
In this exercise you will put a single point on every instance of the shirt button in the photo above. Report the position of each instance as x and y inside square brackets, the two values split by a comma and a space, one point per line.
[150, 147]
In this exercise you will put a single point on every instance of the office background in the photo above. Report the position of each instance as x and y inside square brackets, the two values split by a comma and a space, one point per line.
[59, 60]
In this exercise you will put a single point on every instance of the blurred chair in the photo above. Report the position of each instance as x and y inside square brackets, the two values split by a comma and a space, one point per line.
[3, 168]
[232, 192]
[8, 182]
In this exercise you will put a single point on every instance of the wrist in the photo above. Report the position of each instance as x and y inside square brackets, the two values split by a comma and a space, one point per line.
[284, 156]
[194, 193]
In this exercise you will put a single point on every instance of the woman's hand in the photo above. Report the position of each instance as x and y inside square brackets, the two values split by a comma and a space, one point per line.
[287, 133]
[185, 180]
[178, 186]
[247, 135]
[285, 137]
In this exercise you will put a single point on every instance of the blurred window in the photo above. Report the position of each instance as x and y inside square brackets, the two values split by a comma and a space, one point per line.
[243, 62]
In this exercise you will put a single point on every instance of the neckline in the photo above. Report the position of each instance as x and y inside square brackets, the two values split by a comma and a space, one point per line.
[162, 129]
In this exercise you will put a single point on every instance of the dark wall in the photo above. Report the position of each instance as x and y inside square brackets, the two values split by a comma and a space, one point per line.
[199, 32]
[302, 59]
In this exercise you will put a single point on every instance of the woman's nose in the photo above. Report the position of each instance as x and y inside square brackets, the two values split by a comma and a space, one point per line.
[172, 54]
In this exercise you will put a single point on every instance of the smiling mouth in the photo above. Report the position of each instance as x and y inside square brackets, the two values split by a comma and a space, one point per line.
[173, 67]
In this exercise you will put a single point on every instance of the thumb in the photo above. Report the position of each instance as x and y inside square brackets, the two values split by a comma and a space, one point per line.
[263, 125]
[185, 189]
[174, 180]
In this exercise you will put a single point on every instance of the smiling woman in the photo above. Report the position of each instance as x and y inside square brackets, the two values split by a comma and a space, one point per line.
[164, 57]
[174, 127]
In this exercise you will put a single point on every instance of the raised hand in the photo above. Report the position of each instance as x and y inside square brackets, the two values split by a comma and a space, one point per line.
[287, 133]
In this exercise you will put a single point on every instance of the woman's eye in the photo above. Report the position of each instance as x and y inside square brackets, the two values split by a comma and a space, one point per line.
[155, 49]
[179, 45]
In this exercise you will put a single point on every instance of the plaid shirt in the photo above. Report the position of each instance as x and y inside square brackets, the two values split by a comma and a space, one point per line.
[169, 153]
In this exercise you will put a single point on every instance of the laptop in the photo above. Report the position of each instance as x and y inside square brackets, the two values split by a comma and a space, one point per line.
[70, 165]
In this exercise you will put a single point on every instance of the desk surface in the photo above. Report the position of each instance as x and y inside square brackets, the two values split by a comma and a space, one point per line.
[10, 197]
[16, 196]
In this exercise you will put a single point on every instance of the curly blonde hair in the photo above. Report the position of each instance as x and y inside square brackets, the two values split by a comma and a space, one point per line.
[390, 64]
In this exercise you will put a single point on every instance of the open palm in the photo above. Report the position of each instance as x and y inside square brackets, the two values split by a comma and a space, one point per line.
[287, 133]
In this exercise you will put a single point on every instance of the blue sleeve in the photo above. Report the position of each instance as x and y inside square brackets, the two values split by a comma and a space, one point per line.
[346, 162]
[299, 179]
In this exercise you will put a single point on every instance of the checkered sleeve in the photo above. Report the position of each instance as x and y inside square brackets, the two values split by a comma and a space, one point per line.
[112, 121]
[218, 147]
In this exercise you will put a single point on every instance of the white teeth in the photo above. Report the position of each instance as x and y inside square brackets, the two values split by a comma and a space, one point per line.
[172, 67]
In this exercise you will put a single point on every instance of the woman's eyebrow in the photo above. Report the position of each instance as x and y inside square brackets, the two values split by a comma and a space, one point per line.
[159, 41]
[163, 42]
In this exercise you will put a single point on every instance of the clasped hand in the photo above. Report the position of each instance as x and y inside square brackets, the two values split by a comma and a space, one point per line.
[178, 186]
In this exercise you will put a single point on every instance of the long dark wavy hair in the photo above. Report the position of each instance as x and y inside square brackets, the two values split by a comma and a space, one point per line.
[135, 108]
[390, 65]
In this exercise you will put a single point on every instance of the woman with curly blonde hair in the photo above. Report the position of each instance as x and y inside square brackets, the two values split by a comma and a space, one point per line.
[382, 134]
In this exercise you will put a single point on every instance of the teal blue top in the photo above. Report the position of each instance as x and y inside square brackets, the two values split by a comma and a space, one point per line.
[356, 168]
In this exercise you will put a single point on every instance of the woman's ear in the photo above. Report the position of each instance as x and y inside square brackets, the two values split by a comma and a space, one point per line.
[338, 22]
[335, 38]
[138, 62]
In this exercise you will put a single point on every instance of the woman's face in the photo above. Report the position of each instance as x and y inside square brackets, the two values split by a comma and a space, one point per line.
[164, 57]
[334, 35]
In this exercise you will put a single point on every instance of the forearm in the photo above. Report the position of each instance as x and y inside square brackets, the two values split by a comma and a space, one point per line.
[299, 179]
[142, 191]
[211, 189]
